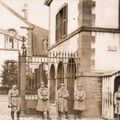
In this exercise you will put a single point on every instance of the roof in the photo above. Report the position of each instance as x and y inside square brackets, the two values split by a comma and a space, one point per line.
[110, 73]
[47, 2]
[19, 16]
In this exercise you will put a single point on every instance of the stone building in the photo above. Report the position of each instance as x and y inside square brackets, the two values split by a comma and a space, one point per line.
[84, 46]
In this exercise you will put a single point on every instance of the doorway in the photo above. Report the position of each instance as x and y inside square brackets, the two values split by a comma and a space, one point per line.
[116, 84]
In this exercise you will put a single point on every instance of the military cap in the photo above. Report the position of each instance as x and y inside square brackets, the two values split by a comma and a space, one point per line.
[79, 85]
[62, 84]
[42, 83]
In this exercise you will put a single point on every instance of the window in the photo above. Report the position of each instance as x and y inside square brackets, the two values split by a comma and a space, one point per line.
[61, 24]
[11, 42]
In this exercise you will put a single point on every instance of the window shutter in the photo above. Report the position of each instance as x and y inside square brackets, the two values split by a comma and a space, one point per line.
[58, 27]
[64, 22]
[61, 24]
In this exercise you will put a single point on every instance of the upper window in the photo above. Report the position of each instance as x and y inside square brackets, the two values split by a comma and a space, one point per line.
[10, 42]
[61, 23]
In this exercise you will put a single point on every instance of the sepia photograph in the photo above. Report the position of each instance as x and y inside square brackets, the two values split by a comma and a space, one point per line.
[59, 59]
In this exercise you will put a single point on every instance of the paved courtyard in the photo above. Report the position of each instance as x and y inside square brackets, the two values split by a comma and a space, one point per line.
[5, 112]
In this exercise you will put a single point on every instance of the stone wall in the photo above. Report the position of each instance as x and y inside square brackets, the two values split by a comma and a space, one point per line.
[93, 87]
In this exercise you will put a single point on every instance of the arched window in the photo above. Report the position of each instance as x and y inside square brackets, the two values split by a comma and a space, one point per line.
[11, 42]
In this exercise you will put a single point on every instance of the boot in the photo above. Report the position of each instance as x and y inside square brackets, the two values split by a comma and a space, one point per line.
[18, 115]
[66, 115]
[48, 116]
[12, 115]
[59, 115]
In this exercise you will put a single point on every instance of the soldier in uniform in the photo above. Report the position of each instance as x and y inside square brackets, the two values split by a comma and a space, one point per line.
[14, 101]
[117, 102]
[62, 98]
[43, 103]
[79, 101]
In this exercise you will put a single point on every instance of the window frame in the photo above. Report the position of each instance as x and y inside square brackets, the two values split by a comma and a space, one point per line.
[61, 23]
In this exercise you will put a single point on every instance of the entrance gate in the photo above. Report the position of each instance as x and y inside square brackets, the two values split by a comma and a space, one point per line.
[36, 72]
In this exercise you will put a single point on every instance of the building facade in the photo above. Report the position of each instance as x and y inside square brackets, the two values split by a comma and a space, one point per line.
[84, 46]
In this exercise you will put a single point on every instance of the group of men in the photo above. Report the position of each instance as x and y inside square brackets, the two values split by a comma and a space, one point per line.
[61, 101]
[43, 105]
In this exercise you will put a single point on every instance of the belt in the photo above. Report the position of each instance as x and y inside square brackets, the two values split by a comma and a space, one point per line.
[118, 98]
[14, 96]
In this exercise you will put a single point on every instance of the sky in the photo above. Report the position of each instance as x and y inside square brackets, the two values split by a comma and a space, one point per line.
[37, 11]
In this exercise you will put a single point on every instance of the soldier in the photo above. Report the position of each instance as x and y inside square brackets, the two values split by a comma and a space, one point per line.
[79, 101]
[43, 103]
[117, 102]
[14, 101]
[62, 98]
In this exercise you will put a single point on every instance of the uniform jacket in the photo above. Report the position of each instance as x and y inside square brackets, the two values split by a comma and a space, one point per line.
[117, 102]
[43, 103]
[14, 100]
[62, 98]
[79, 100]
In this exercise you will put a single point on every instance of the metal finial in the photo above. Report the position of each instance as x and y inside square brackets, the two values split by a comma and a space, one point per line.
[23, 46]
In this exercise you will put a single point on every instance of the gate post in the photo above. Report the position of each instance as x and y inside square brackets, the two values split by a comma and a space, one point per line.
[22, 72]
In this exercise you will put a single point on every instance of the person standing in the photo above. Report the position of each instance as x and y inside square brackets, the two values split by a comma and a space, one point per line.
[43, 103]
[14, 101]
[79, 101]
[62, 98]
[117, 102]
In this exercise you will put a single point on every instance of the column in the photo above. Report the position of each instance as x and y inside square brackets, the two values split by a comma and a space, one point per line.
[22, 70]
[103, 96]
[22, 81]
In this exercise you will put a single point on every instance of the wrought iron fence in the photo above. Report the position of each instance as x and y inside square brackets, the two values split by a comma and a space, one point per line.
[38, 68]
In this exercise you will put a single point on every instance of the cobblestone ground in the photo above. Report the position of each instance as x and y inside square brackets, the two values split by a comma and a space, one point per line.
[5, 112]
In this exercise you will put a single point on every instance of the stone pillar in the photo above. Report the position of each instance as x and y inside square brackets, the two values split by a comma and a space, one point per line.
[56, 89]
[85, 13]
[22, 71]
[119, 15]
[84, 51]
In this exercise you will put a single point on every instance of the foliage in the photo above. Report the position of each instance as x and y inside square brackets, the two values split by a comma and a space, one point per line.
[9, 74]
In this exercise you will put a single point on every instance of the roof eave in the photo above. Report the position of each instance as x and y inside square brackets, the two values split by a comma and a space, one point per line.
[47, 2]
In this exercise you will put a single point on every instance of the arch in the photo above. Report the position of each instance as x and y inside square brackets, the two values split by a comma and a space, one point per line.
[71, 76]
[12, 30]
[60, 74]
[52, 83]
[116, 83]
